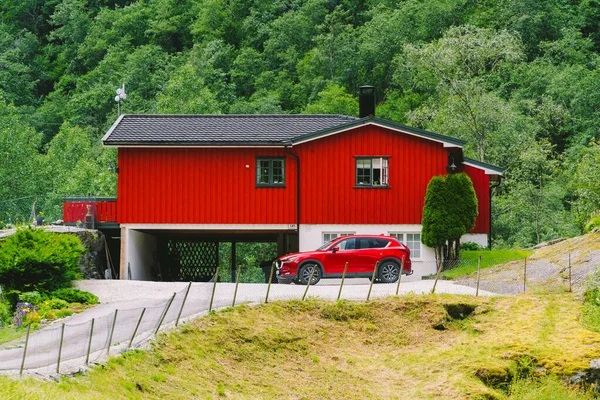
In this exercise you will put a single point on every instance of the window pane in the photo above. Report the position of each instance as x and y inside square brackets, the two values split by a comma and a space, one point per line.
[347, 244]
[399, 236]
[327, 236]
[413, 241]
[363, 172]
[376, 177]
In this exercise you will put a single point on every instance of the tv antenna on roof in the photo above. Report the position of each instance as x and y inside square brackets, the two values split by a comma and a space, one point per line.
[121, 95]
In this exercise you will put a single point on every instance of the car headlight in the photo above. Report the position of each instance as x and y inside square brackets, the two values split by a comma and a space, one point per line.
[291, 259]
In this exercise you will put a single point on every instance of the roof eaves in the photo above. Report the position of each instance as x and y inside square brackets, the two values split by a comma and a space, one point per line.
[112, 128]
[158, 143]
[489, 169]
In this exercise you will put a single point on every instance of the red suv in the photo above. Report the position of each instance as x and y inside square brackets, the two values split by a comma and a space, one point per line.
[361, 252]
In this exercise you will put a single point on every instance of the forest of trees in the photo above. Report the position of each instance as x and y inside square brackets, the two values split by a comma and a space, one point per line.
[518, 79]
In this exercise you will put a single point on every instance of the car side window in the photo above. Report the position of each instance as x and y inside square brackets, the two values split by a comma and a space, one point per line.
[371, 243]
[347, 244]
[379, 243]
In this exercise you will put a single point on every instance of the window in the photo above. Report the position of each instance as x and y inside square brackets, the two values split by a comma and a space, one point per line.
[372, 243]
[372, 171]
[347, 244]
[270, 171]
[411, 240]
[329, 236]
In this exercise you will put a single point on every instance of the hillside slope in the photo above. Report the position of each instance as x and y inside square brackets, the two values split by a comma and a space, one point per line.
[546, 270]
[408, 347]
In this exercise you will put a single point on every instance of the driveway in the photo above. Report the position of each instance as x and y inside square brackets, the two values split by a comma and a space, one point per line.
[131, 311]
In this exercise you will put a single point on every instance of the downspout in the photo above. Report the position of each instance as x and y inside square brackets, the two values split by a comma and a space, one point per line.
[287, 150]
[494, 186]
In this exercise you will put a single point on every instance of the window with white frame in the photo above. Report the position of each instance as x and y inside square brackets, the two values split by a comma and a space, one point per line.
[411, 240]
[329, 236]
[372, 171]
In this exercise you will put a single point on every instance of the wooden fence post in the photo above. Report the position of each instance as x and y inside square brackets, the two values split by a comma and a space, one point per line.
[87, 356]
[25, 349]
[372, 280]
[343, 277]
[183, 304]
[270, 279]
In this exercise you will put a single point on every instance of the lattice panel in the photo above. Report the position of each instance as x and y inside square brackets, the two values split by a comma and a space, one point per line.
[196, 261]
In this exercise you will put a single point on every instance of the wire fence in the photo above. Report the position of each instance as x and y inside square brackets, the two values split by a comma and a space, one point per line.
[564, 273]
[109, 329]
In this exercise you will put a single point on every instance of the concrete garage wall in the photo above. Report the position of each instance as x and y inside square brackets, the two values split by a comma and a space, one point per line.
[141, 251]
[479, 238]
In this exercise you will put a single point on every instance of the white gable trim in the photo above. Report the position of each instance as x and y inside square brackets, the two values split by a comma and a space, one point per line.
[446, 144]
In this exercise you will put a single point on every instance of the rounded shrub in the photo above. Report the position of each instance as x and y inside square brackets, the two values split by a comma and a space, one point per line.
[71, 295]
[36, 260]
[55, 304]
[31, 297]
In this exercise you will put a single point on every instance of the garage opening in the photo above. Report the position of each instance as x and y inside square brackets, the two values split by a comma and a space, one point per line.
[194, 257]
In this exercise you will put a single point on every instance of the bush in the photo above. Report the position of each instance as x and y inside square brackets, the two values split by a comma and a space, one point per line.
[593, 225]
[36, 260]
[5, 313]
[470, 246]
[30, 297]
[71, 295]
[55, 304]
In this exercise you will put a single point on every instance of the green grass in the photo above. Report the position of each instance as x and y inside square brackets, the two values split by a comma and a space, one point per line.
[8, 333]
[510, 347]
[489, 258]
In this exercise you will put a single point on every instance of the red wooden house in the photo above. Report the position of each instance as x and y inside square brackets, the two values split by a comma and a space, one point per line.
[188, 181]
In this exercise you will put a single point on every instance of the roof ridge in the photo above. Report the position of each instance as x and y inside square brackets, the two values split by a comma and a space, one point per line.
[234, 116]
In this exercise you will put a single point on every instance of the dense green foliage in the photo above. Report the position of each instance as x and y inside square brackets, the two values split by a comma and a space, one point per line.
[518, 79]
[450, 211]
[36, 260]
[591, 311]
[71, 295]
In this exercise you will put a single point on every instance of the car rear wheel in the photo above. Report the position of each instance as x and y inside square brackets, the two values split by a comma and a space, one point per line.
[305, 273]
[388, 272]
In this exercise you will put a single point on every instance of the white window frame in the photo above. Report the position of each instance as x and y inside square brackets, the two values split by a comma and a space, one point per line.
[403, 238]
[336, 235]
[383, 171]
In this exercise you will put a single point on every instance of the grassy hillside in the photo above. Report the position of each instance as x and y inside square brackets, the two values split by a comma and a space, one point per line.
[409, 347]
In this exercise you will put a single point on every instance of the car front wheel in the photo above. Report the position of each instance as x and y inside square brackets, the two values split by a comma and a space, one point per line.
[388, 272]
[305, 273]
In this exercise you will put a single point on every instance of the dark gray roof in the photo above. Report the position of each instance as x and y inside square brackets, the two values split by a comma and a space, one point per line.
[217, 130]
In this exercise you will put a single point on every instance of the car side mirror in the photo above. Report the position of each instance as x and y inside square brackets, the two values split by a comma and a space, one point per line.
[335, 249]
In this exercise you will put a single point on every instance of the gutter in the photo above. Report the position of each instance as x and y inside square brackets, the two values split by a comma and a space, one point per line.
[287, 147]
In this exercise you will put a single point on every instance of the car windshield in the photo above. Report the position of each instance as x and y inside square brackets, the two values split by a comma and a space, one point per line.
[326, 245]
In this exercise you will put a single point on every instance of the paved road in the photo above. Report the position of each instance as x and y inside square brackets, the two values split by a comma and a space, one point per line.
[131, 297]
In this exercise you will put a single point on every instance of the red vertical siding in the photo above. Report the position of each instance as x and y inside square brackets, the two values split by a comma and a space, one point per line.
[201, 186]
[328, 181]
[213, 186]
[481, 184]
[103, 211]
